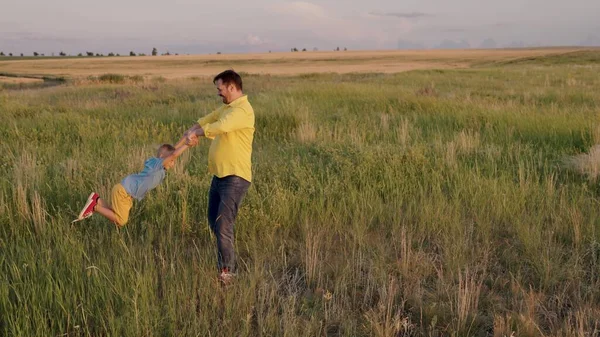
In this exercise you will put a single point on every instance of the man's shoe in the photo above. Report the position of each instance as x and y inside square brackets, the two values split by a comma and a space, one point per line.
[88, 209]
[226, 277]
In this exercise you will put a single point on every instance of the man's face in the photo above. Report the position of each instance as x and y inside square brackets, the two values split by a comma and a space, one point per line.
[224, 91]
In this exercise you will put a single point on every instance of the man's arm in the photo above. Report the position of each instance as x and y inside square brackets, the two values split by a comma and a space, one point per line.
[178, 151]
[210, 118]
[192, 133]
[236, 119]
[185, 138]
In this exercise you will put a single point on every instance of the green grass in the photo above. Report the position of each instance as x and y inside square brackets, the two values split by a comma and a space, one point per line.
[427, 203]
[59, 79]
[589, 56]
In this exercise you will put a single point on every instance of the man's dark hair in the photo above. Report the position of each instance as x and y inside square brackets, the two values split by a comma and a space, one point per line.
[229, 77]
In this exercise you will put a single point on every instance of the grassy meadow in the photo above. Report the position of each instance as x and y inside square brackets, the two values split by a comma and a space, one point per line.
[423, 203]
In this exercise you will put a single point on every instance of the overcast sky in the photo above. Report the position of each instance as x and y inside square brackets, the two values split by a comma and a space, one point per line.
[198, 26]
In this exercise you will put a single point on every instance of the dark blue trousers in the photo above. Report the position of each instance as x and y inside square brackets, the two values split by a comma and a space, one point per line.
[224, 199]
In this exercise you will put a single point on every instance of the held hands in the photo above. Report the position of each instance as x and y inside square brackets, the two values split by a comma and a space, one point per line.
[191, 139]
[191, 135]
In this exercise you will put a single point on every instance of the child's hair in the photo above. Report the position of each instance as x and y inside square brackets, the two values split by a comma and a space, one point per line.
[165, 150]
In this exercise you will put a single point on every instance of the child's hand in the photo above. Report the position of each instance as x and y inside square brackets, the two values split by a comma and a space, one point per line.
[191, 140]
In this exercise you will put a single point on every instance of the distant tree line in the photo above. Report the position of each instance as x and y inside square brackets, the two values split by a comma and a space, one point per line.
[154, 52]
[294, 49]
[92, 54]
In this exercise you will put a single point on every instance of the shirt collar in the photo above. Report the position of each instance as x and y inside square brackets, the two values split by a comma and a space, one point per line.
[238, 101]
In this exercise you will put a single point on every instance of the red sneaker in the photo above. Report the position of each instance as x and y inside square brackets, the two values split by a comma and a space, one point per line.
[88, 209]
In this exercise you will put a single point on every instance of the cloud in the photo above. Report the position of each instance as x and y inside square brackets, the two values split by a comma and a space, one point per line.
[306, 21]
[591, 41]
[302, 9]
[34, 36]
[410, 15]
[474, 28]
[253, 40]
[516, 44]
[488, 43]
[455, 30]
[403, 44]
[451, 44]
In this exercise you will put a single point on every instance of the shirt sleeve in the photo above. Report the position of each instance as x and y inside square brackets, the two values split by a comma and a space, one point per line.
[210, 118]
[236, 119]
[155, 163]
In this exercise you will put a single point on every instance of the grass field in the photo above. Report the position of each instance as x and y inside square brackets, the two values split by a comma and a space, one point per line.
[436, 202]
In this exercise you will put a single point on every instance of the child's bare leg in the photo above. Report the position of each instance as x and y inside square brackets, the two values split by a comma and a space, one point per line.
[103, 209]
[102, 203]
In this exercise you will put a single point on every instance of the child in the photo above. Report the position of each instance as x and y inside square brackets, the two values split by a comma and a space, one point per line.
[133, 186]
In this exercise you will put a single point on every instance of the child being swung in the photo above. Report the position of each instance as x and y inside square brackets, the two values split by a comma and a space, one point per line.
[134, 186]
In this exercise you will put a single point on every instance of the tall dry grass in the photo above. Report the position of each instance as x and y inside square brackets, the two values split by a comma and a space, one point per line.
[375, 210]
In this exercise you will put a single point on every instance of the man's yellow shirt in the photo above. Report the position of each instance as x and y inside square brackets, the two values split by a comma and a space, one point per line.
[231, 128]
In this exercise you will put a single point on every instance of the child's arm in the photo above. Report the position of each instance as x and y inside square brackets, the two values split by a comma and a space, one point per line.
[178, 151]
[186, 134]
[182, 141]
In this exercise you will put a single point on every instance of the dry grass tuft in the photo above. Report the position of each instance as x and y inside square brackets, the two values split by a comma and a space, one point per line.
[587, 164]
[385, 122]
[26, 170]
[467, 141]
[466, 302]
[312, 254]
[403, 132]
[387, 319]
[450, 154]
[306, 132]
[38, 212]
[20, 201]
[503, 325]
[428, 90]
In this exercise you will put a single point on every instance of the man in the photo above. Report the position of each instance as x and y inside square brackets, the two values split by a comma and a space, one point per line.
[231, 128]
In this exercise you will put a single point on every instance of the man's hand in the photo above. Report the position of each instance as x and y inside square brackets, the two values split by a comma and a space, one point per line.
[199, 132]
[191, 140]
[191, 130]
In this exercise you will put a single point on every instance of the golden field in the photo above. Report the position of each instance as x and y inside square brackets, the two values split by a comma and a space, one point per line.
[182, 66]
